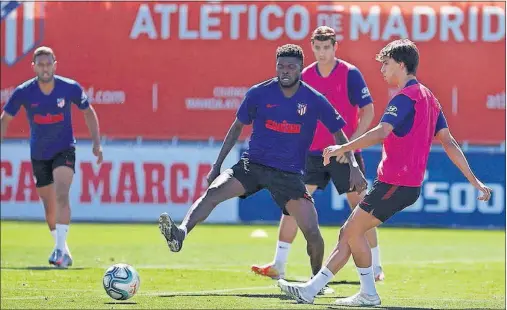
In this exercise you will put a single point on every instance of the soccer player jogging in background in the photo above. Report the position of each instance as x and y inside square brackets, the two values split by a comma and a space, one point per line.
[343, 85]
[283, 112]
[411, 120]
[47, 99]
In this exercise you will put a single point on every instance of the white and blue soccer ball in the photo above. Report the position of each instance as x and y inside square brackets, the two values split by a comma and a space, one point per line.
[121, 281]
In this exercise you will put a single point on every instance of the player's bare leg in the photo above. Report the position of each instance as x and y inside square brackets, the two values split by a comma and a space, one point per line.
[48, 197]
[288, 226]
[354, 231]
[287, 232]
[224, 187]
[306, 218]
[353, 199]
[62, 177]
[351, 241]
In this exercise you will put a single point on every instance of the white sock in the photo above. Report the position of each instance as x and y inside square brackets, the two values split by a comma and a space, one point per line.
[61, 236]
[375, 256]
[319, 281]
[53, 233]
[367, 280]
[281, 254]
[184, 228]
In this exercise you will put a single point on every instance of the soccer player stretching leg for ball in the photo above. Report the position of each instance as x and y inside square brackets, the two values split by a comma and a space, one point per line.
[283, 112]
[47, 100]
[343, 85]
[411, 120]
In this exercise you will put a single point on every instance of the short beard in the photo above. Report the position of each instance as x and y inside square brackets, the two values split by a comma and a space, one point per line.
[291, 85]
[45, 80]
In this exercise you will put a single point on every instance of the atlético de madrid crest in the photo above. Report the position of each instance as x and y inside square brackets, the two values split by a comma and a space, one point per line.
[60, 102]
[301, 108]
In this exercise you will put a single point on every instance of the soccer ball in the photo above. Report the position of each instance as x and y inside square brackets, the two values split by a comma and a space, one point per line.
[121, 281]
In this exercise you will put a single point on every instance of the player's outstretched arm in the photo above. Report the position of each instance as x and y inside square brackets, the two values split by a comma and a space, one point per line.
[340, 138]
[230, 141]
[373, 136]
[455, 153]
[5, 119]
[92, 122]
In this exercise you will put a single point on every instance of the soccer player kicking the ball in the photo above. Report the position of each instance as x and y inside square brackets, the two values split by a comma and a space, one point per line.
[47, 100]
[411, 120]
[283, 112]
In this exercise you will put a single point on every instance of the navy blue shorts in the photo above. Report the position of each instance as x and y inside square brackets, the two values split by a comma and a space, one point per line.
[384, 200]
[318, 174]
[282, 185]
[43, 169]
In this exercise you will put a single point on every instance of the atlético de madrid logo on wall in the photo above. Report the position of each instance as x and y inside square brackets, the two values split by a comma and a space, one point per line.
[22, 26]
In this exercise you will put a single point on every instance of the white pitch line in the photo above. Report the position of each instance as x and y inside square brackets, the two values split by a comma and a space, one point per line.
[180, 293]
[223, 268]
[252, 288]
[49, 289]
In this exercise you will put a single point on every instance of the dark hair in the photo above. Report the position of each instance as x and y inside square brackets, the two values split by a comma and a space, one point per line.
[324, 33]
[403, 51]
[290, 50]
[43, 50]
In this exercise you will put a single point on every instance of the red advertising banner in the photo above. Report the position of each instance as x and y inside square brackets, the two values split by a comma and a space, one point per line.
[134, 183]
[180, 69]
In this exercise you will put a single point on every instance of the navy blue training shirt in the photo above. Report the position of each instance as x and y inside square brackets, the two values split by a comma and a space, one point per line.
[283, 128]
[403, 119]
[49, 116]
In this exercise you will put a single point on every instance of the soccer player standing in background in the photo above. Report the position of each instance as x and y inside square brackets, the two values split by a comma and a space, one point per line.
[47, 100]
